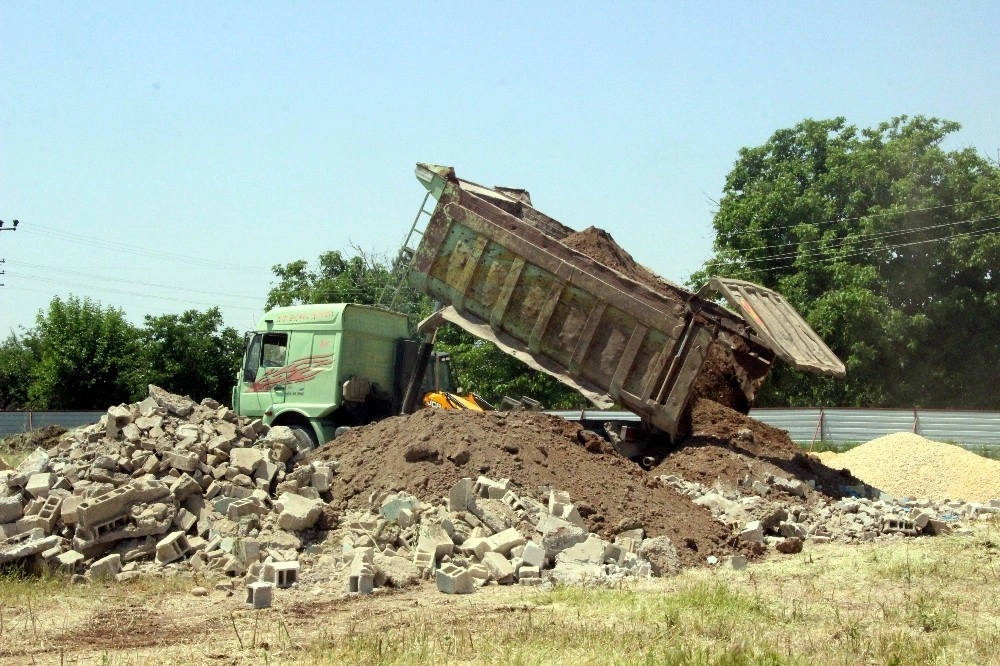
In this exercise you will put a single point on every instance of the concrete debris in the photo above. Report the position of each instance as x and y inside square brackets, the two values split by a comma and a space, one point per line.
[772, 512]
[168, 485]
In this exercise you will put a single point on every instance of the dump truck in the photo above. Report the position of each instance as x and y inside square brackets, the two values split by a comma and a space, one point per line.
[505, 272]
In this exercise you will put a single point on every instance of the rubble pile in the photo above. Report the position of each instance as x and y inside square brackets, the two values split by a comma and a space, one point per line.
[464, 499]
[163, 483]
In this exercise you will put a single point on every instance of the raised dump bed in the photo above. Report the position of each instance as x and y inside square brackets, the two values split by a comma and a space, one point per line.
[649, 346]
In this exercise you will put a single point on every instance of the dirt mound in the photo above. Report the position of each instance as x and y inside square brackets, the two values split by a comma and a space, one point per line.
[601, 247]
[426, 453]
[908, 465]
[726, 446]
[43, 438]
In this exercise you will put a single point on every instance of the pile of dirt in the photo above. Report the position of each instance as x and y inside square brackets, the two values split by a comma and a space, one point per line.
[599, 245]
[907, 465]
[44, 438]
[427, 452]
[725, 446]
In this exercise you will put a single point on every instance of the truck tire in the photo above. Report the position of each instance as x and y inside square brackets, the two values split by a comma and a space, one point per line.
[306, 437]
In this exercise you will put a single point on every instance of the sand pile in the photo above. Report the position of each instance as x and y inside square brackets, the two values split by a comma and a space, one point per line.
[908, 465]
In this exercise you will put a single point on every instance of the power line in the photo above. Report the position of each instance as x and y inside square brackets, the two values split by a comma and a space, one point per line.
[886, 213]
[136, 250]
[822, 258]
[133, 293]
[134, 282]
[841, 242]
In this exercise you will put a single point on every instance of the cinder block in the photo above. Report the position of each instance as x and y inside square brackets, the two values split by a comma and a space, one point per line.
[322, 478]
[106, 568]
[248, 551]
[104, 507]
[244, 507]
[500, 569]
[184, 461]
[281, 574]
[488, 488]
[49, 512]
[11, 509]
[184, 487]
[68, 509]
[69, 561]
[452, 579]
[40, 484]
[504, 542]
[434, 539]
[528, 572]
[533, 555]
[753, 532]
[460, 495]
[260, 594]
[184, 520]
[172, 547]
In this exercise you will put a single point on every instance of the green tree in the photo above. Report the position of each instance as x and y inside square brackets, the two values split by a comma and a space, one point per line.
[85, 356]
[17, 363]
[887, 244]
[361, 278]
[190, 354]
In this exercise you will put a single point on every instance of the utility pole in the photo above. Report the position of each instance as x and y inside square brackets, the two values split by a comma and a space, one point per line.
[13, 227]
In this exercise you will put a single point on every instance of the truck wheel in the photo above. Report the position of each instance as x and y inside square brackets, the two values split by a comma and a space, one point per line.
[340, 431]
[306, 437]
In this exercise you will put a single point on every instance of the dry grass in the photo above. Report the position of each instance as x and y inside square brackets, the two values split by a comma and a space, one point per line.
[912, 601]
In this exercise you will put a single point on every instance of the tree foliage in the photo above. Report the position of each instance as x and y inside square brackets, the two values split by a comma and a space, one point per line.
[17, 361]
[84, 355]
[191, 354]
[361, 278]
[887, 244]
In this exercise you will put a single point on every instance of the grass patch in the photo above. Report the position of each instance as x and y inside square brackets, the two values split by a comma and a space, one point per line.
[12, 455]
[907, 601]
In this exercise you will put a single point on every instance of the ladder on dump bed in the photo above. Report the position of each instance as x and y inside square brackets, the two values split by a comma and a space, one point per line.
[404, 259]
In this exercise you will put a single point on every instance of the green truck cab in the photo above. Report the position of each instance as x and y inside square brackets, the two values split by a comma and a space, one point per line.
[317, 368]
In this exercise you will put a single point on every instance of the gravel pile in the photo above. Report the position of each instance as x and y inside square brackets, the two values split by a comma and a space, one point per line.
[908, 465]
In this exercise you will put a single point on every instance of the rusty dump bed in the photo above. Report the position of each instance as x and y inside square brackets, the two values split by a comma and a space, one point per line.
[500, 267]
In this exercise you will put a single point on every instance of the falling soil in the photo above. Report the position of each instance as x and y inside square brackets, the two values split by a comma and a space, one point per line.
[725, 446]
[718, 379]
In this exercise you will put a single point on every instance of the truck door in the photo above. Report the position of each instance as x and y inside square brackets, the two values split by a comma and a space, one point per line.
[274, 352]
[262, 377]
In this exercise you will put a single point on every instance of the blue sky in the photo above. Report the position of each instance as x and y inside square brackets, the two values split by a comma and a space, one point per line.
[163, 156]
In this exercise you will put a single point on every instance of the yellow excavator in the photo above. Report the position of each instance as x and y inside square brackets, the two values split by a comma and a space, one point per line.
[443, 394]
[443, 398]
